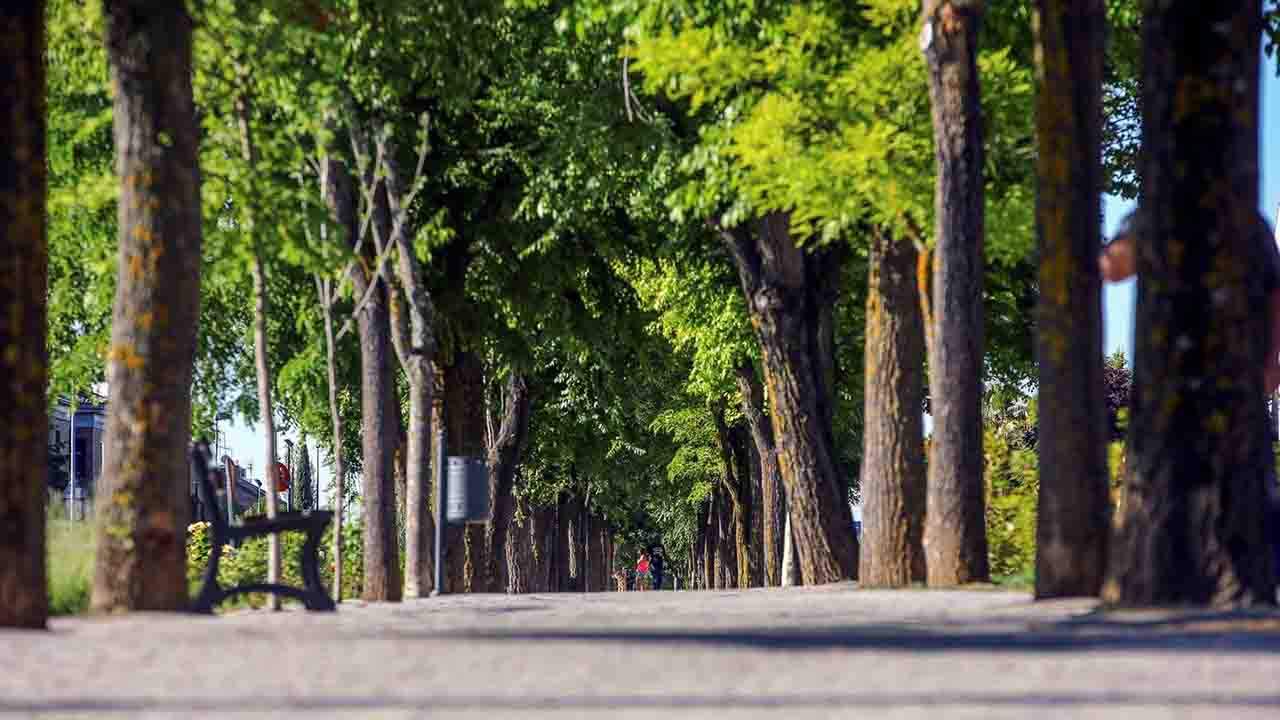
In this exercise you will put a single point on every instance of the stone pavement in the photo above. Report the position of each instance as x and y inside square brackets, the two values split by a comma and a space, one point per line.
[799, 653]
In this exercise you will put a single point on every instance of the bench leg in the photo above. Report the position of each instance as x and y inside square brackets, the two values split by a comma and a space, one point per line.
[211, 593]
[316, 598]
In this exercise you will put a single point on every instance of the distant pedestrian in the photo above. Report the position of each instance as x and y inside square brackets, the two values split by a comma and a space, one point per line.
[656, 567]
[643, 578]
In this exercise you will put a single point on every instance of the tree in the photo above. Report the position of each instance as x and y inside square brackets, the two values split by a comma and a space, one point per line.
[790, 294]
[955, 533]
[893, 473]
[143, 505]
[773, 507]
[24, 272]
[1191, 529]
[1073, 515]
[503, 461]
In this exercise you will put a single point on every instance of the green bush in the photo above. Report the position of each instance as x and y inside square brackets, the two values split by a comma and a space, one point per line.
[70, 564]
[248, 563]
[1013, 486]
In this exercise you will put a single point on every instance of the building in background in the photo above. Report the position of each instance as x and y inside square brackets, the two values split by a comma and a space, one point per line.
[75, 453]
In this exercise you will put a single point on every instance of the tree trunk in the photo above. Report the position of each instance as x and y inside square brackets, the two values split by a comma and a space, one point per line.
[1192, 529]
[338, 189]
[24, 274]
[712, 540]
[464, 390]
[955, 523]
[790, 294]
[324, 288]
[1074, 507]
[262, 365]
[539, 572]
[755, 537]
[735, 486]
[571, 530]
[893, 472]
[415, 345]
[772, 509]
[143, 505]
[520, 549]
[750, 573]
[381, 553]
[503, 461]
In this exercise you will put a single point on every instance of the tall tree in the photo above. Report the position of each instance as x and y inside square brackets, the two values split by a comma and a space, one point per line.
[24, 272]
[261, 308]
[773, 506]
[324, 288]
[413, 338]
[1073, 517]
[1192, 526]
[734, 485]
[955, 528]
[790, 293]
[373, 326]
[143, 505]
[503, 461]
[893, 473]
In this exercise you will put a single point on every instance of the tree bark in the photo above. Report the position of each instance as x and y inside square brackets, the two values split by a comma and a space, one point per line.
[1192, 528]
[143, 504]
[790, 294]
[24, 274]
[1073, 517]
[381, 551]
[955, 537]
[893, 472]
[773, 505]
[503, 461]
[734, 485]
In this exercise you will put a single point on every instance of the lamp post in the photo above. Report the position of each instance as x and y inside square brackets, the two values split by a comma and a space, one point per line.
[71, 496]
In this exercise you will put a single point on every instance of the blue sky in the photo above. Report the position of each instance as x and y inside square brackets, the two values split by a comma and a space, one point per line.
[1118, 299]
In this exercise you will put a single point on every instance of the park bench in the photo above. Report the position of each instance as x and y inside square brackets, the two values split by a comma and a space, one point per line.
[312, 522]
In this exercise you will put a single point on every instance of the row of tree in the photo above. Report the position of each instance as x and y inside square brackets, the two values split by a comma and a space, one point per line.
[675, 270]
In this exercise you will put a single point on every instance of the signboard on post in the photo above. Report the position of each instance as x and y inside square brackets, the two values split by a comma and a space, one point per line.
[468, 491]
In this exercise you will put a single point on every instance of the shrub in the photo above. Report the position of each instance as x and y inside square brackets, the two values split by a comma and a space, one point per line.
[70, 564]
[248, 563]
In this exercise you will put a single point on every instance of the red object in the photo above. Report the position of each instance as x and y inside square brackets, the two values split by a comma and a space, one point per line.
[642, 566]
[282, 477]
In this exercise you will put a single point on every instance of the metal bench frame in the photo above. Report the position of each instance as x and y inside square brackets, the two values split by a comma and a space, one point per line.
[313, 523]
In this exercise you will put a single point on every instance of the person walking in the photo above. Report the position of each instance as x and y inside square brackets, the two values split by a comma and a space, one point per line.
[643, 578]
[656, 567]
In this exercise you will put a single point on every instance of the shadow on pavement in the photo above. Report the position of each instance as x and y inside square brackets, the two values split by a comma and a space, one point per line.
[1073, 637]
[531, 703]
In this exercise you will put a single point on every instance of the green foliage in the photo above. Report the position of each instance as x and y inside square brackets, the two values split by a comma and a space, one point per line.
[248, 562]
[1013, 486]
[69, 548]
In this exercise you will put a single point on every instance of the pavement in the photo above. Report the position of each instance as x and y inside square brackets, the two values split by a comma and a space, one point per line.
[825, 652]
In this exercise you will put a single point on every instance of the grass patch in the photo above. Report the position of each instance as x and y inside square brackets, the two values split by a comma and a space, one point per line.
[70, 558]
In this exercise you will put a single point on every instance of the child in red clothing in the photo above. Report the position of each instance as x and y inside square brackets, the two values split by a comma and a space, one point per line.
[643, 578]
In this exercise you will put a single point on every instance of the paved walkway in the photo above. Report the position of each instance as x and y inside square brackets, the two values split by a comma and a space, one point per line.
[800, 653]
